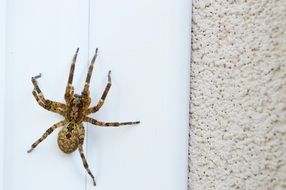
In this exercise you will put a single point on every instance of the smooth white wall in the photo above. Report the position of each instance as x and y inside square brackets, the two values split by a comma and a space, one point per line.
[146, 45]
[2, 84]
[41, 37]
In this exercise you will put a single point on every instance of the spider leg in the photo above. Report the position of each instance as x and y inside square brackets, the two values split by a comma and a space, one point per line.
[108, 124]
[69, 88]
[53, 106]
[81, 152]
[46, 134]
[101, 101]
[85, 91]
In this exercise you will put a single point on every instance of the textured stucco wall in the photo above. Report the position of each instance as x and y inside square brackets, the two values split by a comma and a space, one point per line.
[238, 95]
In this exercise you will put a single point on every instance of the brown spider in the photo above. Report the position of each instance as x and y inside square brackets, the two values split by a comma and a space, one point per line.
[74, 111]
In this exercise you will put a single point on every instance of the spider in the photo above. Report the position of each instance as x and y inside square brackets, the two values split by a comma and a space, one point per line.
[75, 111]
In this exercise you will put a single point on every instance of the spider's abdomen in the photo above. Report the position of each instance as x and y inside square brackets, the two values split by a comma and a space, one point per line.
[69, 137]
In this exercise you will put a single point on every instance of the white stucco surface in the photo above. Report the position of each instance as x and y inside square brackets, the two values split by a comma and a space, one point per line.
[238, 95]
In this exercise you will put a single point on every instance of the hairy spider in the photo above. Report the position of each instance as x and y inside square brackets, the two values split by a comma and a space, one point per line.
[75, 111]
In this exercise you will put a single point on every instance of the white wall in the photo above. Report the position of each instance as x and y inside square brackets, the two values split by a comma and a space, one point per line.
[146, 45]
[41, 37]
[2, 85]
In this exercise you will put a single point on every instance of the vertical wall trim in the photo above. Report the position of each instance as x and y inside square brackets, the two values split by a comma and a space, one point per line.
[88, 58]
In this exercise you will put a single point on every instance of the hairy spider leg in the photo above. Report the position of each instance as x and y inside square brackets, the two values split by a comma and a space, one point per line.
[90, 69]
[49, 105]
[46, 134]
[85, 91]
[108, 124]
[102, 99]
[69, 88]
[77, 105]
[81, 152]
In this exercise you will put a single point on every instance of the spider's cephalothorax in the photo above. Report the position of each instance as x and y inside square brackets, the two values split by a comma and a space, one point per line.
[75, 111]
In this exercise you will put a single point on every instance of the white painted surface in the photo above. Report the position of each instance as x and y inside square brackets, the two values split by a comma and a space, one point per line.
[2, 85]
[41, 37]
[146, 45]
